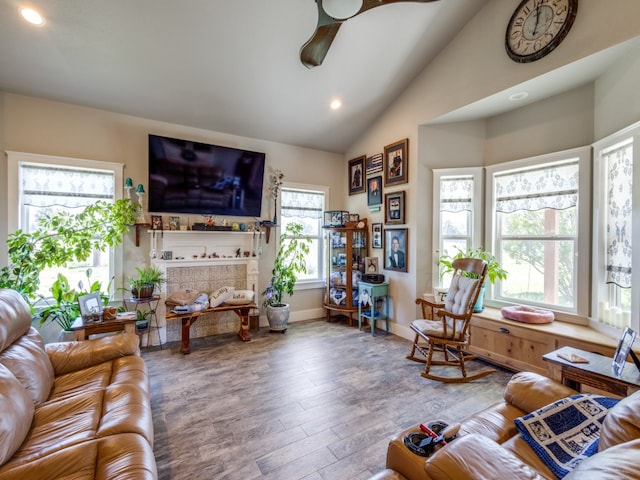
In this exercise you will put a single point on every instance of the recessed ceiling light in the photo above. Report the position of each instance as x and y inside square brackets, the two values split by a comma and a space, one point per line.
[518, 96]
[32, 16]
[336, 103]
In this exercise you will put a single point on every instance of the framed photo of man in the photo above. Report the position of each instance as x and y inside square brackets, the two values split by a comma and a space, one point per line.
[357, 175]
[396, 163]
[394, 208]
[395, 249]
[374, 191]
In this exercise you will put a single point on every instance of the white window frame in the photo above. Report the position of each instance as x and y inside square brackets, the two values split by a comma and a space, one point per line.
[599, 198]
[318, 282]
[475, 227]
[15, 159]
[582, 273]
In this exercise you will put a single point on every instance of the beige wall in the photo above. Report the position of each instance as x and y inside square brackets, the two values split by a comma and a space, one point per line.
[40, 126]
[475, 66]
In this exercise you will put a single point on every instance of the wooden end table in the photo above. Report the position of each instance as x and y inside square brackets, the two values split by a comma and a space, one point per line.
[598, 373]
[82, 329]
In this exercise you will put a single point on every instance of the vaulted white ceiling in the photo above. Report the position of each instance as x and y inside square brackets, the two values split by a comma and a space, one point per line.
[230, 66]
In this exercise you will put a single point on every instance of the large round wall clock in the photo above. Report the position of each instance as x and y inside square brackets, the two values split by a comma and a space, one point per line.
[537, 27]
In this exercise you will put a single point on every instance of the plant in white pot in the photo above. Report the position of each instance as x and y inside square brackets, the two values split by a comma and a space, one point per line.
[290, 262]
[494, 269]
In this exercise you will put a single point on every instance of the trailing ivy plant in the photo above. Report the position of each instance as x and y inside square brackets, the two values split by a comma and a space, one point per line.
[61, 238]
[289, 263]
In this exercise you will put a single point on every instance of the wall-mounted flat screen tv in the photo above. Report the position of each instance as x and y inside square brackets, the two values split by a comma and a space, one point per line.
[197, 178]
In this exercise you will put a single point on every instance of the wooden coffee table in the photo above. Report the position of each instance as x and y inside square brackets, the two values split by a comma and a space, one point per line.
[598, 373]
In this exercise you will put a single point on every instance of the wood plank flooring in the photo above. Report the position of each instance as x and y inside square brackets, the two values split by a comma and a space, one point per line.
[317, 403]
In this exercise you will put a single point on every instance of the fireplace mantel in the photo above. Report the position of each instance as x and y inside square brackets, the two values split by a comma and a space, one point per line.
[205, 261]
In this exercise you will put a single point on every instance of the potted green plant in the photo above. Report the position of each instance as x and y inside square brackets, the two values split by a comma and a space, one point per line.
[148, 279]
[289, 263]
[494, 269]
[62, 307]
[61, 238]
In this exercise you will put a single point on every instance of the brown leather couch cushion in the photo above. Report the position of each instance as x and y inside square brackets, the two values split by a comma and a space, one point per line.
[615, 463]
[15, 315]
[622, 423]
[30, 364]
[529, 391]
[474, 457]
[16, 412]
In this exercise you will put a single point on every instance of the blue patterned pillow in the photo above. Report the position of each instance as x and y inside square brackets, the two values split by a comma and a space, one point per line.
[565, 432]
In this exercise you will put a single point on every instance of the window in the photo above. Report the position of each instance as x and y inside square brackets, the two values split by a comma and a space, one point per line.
[45, 184]
[305, 204]
[457, 221]
[538, 230]
[614, 223]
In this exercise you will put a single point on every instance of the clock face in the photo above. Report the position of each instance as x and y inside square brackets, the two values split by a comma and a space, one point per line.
[537, 27]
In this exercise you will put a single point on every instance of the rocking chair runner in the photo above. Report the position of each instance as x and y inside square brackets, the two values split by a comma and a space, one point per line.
[444, 328]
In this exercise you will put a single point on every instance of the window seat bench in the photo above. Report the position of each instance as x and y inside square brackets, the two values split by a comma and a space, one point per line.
[520, 346]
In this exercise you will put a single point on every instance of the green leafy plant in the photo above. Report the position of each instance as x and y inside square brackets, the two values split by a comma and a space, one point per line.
[65, 308]
[61, 238]
[494, 270]
[289, 263]
[148, 278]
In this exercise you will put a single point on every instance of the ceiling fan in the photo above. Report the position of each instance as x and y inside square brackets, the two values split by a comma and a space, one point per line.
[331, 14]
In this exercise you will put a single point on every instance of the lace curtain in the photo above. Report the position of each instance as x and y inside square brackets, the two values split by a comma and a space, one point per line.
[455, 194]
[45, 187]
[619, 191]
[554, 186]
[299, 204]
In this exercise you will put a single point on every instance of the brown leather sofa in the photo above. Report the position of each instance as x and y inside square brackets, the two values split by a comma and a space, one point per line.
[489, 447]
[71, 410]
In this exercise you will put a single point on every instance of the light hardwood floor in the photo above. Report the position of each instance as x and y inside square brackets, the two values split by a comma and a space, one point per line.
[317, 403]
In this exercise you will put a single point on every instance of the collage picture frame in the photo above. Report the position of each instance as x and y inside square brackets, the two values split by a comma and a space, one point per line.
[394, 208]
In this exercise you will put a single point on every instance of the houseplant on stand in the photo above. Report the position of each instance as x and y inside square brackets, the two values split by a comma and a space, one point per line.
[289, 263]
[148, 279]
[494, 270]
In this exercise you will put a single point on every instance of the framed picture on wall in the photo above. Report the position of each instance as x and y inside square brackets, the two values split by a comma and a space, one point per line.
[376, 235]
[374, 191]
[396, 163]
[394, 208]
[357, 176]
[395, 249]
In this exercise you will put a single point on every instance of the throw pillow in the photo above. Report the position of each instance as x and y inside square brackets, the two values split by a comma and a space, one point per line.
[182, 297]
[566, 432]
[240, 297]
[220, 296]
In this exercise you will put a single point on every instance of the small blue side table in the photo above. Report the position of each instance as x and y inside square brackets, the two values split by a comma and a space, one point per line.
[374, 290]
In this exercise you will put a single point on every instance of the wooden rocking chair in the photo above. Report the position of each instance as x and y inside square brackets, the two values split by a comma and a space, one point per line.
[444, 328]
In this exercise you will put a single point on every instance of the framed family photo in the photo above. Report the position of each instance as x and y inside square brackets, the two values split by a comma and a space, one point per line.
[156, 222]
[623, 350]
[357, 175]
[395, 249]
[374, 191]
[370, 264]
[396, 162]
[394, 208]
[376, 235]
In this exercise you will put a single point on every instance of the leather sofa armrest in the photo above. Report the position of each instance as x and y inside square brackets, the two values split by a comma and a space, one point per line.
[475, 457]
[530, 391]
[71, 356]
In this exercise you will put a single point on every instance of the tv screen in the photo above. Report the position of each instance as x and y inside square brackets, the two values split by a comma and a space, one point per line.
[197, 178]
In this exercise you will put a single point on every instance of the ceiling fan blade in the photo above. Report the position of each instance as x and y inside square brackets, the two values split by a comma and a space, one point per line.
[315, 49]
[369, 4]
